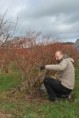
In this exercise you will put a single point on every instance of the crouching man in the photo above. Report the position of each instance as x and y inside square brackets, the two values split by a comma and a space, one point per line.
[64, 84]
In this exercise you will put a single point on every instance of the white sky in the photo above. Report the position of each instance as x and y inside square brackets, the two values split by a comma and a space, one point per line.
[58, 17]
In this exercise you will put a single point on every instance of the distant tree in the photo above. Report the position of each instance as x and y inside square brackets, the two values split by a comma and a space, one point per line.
[77, 44]
[7, 28]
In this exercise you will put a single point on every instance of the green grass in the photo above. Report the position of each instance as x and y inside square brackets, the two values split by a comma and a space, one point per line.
[36, 108]
[9, 80]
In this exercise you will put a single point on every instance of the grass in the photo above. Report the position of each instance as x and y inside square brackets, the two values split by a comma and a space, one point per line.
[37, 108]
[9, 80]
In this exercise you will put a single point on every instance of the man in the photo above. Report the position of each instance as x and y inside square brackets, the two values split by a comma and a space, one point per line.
[64, 84]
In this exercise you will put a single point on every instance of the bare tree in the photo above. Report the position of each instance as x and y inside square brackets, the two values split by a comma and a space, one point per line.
[77, 44]
[7, 29]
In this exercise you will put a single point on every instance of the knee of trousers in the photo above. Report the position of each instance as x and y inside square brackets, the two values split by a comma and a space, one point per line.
[46, 79]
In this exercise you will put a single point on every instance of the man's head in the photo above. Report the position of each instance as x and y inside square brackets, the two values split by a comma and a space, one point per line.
[59, 56]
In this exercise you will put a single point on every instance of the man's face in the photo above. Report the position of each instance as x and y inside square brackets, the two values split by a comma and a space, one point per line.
[58, 56]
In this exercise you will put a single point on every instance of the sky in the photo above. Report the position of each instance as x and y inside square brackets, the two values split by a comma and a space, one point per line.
[60, 18]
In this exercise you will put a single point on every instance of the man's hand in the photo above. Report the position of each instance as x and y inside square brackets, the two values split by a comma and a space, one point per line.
[42, 67]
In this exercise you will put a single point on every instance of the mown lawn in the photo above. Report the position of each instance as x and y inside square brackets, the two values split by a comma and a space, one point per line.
[37, 108]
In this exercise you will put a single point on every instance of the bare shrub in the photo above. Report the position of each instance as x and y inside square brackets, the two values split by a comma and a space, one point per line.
[29, 55]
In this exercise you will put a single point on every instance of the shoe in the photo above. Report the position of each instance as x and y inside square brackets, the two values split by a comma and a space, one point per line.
[65, 96]
[55, 100]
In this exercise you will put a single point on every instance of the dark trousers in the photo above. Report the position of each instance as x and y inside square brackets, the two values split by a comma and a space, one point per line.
[55, 88]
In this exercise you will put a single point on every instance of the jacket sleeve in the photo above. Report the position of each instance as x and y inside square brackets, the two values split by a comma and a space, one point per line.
[57, 67]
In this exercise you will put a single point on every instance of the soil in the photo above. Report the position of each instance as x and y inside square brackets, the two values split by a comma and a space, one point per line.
[5, 115]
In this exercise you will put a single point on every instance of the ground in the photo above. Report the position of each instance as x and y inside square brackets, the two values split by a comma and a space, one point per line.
[34, 108]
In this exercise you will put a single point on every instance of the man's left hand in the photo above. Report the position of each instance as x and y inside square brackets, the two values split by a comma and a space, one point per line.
[42, 67]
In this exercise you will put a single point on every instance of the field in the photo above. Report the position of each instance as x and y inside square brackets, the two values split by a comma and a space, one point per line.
[19, 70]
[20, 74]
[11, 107]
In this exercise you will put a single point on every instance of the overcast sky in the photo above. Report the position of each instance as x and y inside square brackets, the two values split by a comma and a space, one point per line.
[58, 17]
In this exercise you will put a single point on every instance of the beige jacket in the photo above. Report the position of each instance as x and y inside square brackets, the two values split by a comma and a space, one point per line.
[66, 72]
